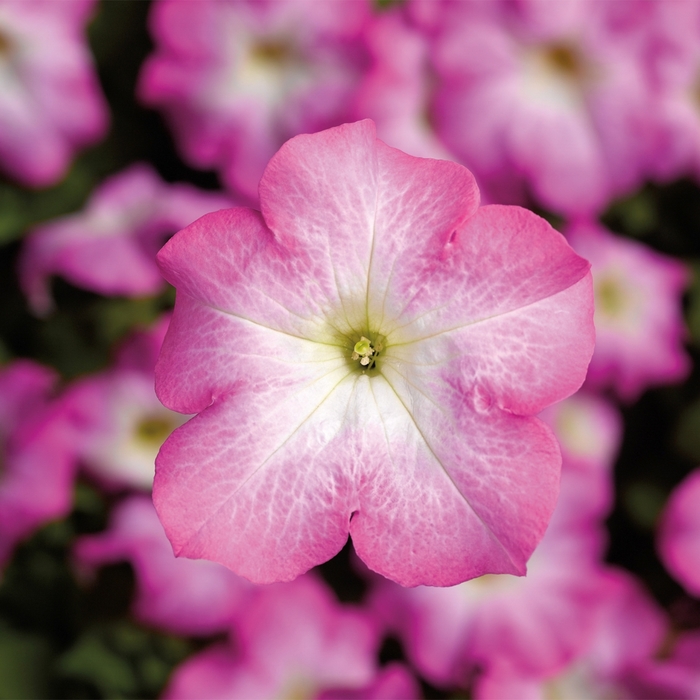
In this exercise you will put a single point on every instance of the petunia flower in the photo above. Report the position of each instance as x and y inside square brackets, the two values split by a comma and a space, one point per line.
[392, 682]
[546, 95]
[678, 540]
[673, 675]
[236, 78]
[669, 34]
[51, 103]
[291, 641]
[473, 319]
[36, 453]
[395, 91]
[110, 246]
[118, 422]
[183, 596]
[639, 312]
[589, 430]
[618, 660]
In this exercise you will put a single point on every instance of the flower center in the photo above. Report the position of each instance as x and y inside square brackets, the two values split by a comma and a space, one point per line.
[153, 430]
[557, 73]
[299, 689]
[609, 297]
[694, 90]
[564, 60]
[267, 68]
[5, 44]
[366, 351]
[489, 586]
[272, 53]
[577, 430]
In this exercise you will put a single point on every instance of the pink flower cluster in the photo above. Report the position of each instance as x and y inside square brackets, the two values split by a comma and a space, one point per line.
[571, 105]
[111, 246]
[565, 107]
[386, 345]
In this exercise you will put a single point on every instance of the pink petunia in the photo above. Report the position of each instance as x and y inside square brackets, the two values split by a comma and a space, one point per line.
[639, 314]
[615, 662]
[395, 92]
[589, 430]
[679, 534]
[51, 103]
[393, 682]
[669, 34]
[544, 96]
[118, 422]
[366, 356]
[179, 595]
[36, 453]
[675, 675]
[237, 78]
[292, 640]
[110, 247]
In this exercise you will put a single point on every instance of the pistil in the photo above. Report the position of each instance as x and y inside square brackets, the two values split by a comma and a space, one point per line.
[366, 352]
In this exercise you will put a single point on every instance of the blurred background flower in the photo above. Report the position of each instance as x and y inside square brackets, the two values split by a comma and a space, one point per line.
[120, 123]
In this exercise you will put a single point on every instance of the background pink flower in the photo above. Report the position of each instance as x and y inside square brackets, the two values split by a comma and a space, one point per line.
[544, 96]
[238, 78]
[638, 319]
[51, 103]
[118, 422]
[292, 640]
[668, 34]
[36, 453]
[180, 595]
[679, 534]
[111, 246]
[629, 630]
[395, 91]
[589, 430]
[674, 675]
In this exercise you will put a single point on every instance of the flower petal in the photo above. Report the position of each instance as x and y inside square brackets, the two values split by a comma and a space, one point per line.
[230, 260]
[503, 259]
[319, 193]
[259, 481]
[447, 494]
[420, 203]
[208, 353]
[362, 207]
[510, 307]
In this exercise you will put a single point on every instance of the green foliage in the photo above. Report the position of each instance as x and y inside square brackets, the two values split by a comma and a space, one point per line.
[121, 660]
[693, 312]
[64, 636]
[687, 437]
[636, 214]
[382, 5]
[94, 660]
[24, 664]
[643, 502]
[21, 210]
[82, 332]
